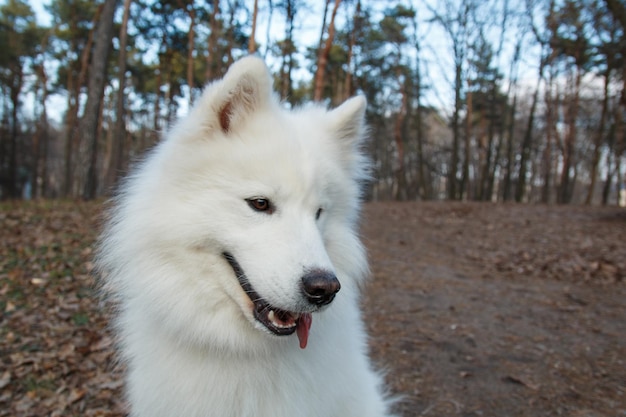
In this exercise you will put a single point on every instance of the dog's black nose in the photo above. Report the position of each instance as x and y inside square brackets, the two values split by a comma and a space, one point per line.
[320, 287]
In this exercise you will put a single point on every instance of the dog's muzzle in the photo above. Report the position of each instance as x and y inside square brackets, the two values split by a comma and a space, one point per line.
[318, 287]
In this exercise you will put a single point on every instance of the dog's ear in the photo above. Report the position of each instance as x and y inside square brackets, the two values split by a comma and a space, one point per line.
[245, 88]
[349, 132]
[348, 121]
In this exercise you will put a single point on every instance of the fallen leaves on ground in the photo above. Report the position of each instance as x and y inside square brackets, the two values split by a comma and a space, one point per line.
[57, 357]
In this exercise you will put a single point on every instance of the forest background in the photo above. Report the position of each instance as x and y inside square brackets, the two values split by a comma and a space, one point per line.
[499, 100]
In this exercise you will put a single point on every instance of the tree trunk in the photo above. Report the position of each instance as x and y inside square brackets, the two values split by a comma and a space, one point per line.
[16, 88]
[322, 57]
[158, 95]
[456, 23]
[268, 32]
[491, 181]
[424, 190]
[618, 10]
[168, 100]
[551, 139]
[488, 191]
[323, 30]
[251, 41]
[454, 159]
[287, 64]
[348, 89]
[606, 189]
[70, 120]
[567, 184]
[465, 180]
[527, 142]
[617, 144]
[97, 81]
[507, 191]
[400, 171]
[39, 138]
[230, 33]
[493, 114]
[211, 61]
[597, 143]
[43, 137]
[191, 42]
[117, 162]
[73, 87]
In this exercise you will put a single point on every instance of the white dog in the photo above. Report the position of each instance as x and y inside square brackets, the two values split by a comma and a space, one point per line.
[233, 255]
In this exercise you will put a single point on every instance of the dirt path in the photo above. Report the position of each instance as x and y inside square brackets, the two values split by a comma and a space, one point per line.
[485, 310]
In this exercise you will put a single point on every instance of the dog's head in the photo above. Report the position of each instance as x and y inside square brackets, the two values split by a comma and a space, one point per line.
[246, 209]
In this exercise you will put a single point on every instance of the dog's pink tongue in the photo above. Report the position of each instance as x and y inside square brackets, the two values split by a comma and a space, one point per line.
[304, 324]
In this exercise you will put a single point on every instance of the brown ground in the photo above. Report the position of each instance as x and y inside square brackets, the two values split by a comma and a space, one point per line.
[499, 310]
[474, 310]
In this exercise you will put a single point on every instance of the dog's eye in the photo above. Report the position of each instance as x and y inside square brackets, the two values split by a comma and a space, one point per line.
[260, 204]
[318, 213]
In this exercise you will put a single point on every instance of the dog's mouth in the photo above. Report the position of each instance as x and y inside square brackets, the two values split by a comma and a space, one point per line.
[277, 321]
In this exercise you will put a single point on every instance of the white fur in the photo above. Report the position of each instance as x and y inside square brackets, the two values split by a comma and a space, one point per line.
[187, 333]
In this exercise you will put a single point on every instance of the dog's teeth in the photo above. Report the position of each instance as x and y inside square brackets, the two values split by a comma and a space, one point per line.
[279, 322]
